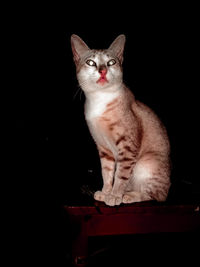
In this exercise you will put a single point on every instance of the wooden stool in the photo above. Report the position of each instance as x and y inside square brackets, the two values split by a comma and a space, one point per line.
[137, 218]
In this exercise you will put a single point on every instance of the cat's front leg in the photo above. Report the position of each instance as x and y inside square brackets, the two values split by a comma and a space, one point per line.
[124, 169]
[108, 167]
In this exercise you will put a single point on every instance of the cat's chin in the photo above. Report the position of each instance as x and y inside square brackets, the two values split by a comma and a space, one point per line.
[102, 82]
[101, 86]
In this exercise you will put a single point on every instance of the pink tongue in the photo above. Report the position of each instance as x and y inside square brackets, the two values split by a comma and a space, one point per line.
[102, 78]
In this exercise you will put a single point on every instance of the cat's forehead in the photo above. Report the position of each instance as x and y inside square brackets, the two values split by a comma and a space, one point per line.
[100, 54]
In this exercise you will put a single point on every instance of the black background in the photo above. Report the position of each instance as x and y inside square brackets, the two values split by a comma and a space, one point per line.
[54, 154]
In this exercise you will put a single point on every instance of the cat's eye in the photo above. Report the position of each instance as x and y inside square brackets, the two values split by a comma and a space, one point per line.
[90, 62]
[111, 62]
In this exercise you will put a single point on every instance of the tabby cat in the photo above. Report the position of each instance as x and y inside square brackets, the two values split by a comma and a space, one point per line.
[132, 142]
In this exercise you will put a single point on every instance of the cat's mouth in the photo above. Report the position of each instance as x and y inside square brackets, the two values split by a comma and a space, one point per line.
[102, 80]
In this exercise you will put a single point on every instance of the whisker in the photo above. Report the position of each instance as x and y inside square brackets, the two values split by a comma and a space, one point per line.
[76, 93]
[82, 84]
[81, 94]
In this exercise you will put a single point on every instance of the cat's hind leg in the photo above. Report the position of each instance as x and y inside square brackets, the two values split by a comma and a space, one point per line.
[133, 196]
[150, 180]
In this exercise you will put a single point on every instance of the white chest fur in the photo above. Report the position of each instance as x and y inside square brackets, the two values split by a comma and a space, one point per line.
[96, 103]
[95, 106]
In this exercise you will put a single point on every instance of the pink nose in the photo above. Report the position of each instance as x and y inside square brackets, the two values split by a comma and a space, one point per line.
[103, 71]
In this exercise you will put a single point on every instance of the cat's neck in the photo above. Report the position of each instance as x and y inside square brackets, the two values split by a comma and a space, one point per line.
[108, 90]
[97, 101]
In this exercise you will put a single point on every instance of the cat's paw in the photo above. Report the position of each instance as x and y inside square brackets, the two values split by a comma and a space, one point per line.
[128, 199]
[99, 195]
[112, 200]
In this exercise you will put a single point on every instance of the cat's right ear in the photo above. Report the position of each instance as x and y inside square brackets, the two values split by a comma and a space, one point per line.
[117, 46]
[79, 47]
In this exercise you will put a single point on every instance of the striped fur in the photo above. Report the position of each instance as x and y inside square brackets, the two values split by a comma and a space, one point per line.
[132, 142]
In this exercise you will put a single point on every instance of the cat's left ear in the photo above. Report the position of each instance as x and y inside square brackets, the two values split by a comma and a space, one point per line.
[79, 47]
[117, 46]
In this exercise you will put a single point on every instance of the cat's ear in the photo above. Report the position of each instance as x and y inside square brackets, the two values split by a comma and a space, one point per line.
[117, 46]
[79, 47]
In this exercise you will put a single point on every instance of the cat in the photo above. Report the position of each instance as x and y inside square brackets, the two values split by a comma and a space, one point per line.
[133, 144]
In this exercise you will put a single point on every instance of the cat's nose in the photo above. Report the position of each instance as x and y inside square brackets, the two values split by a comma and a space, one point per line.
[102, 70]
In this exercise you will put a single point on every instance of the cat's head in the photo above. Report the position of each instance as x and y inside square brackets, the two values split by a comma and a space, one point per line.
[98, 69]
